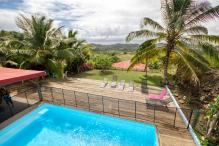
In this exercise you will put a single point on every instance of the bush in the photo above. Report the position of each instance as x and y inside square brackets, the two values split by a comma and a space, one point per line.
[114, 59]
[102, 62]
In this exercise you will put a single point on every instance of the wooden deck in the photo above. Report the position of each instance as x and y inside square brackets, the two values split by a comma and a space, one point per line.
[93, 87]
[124, 104]
[168, 134]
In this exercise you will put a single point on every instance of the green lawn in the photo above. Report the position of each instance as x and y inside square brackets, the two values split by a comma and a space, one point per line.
[125, 57]
[137, 77]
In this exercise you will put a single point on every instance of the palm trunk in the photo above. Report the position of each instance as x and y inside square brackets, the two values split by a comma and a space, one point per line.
[166, 64]
[146, 67]
[170, 47]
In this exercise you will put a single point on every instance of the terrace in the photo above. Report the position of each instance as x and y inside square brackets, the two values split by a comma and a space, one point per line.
[86, 94]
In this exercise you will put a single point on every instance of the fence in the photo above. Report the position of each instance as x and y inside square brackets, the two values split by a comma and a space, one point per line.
[130, 109]
[22, 99]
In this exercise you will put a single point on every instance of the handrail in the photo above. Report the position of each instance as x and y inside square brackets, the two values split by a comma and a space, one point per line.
[185, 120]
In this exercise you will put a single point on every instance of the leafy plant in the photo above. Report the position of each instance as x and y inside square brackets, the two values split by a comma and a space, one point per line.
[212, 115]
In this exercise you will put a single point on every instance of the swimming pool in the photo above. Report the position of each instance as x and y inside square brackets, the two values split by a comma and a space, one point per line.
[52, 125]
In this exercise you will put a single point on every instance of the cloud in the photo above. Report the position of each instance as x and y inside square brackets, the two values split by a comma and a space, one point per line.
[98, 21]
[7, 19]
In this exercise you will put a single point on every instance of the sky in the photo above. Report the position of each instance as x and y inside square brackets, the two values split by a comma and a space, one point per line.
[97, 21]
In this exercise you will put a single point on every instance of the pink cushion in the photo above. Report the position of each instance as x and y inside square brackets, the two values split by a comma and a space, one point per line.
[158, 97]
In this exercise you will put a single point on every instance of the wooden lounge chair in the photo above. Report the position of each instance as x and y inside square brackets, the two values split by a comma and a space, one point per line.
[104, 83]
[114, 82]
[131, 86]
[121, 85]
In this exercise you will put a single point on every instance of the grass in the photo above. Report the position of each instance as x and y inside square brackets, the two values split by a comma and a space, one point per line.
[125, 57]
[137, 77]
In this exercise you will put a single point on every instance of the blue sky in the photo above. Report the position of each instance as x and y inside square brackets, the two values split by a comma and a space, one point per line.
[98, 21]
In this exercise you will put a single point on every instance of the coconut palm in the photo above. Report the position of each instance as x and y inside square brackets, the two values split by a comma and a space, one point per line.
[40, 38]
[79, 48]
[180, 38]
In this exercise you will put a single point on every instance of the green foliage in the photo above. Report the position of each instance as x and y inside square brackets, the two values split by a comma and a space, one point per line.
[42, 46]
[213, 108]
[114, 58]
[155, 64]
[102, 62]
[180, 40]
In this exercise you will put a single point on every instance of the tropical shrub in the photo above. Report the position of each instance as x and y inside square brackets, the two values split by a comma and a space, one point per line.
[102, 62]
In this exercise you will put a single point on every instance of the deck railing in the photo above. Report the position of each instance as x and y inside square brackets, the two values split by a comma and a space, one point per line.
[185, 119]
[130, 109]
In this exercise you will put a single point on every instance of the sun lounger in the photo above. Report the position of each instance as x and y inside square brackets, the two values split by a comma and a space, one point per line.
[162, 94]
[131, 86]
[121, 85]
[114, 82]
[104, 83]
[163, 102]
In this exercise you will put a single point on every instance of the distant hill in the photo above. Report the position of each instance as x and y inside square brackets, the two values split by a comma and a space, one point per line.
[115, 47]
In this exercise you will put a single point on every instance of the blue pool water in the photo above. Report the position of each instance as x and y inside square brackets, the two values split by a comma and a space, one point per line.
[50, 125]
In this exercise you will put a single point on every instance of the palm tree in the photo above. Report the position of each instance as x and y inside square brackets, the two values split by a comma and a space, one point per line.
[181, 37]
[79, 48]
[40, 38]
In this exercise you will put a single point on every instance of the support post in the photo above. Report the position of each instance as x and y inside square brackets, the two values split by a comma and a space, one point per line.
[103, 104]
[175, 118]
[39, 92]
[26, 98]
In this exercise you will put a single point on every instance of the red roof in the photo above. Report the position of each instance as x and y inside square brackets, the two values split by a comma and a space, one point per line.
[11, 75]
[126, 64]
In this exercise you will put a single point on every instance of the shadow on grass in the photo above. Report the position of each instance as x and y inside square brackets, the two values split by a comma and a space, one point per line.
[150, 79]
[92, 74]
[105, 73]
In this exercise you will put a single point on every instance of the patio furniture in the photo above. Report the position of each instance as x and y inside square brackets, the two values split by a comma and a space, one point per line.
[131, 86]
[65, 75]
[114, 82]
[163, 102]
[162, 94]
[104, 83]
[121, 85]
[144, 88]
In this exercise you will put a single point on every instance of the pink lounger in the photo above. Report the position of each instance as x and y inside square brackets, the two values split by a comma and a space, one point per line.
[163, 93]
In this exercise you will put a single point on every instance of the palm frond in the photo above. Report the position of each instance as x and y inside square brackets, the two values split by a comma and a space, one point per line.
[148, 21]
[206, 38]
[191, 50]
[196, 30]
[141, 34]
[210, 14]
[148, 49]
[188, 69]
[211, 53]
